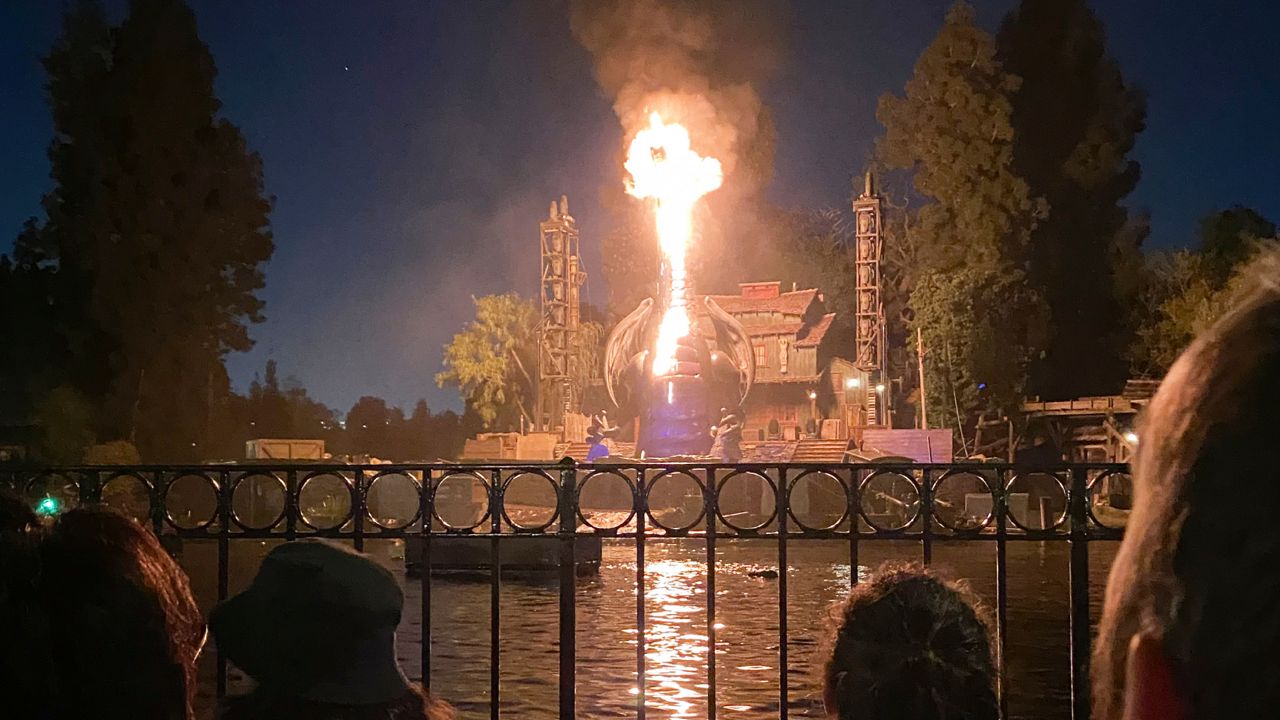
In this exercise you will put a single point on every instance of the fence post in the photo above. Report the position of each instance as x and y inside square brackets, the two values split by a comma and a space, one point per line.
[1000, 508]
[495, 594]
[1080, 631]
[224, 562]
[784, 507]
[427, 513]
[358, 509]
[710, 506]
[568, 587]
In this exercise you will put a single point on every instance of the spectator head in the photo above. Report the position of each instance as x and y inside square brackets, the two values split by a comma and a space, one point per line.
[123, 631]
[19, 535]
[316, 630]
[909, 645]
[19, 620]
[1190, 622]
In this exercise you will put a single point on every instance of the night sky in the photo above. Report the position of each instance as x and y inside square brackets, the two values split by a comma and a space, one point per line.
[413, 146]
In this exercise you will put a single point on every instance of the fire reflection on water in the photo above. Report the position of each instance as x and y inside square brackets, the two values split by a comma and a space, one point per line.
[675, 627]
[676, 653]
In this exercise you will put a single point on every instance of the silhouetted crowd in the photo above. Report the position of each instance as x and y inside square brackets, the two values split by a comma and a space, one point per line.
[97, 620]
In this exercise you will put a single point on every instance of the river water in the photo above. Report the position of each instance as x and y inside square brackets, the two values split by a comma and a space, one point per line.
[676, 656]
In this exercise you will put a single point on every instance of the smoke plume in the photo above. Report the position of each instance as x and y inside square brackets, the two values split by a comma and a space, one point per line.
[702, 63]
[698, 63]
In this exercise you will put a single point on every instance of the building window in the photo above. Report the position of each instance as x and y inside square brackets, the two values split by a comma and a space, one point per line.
[762, 358]
[782, 354]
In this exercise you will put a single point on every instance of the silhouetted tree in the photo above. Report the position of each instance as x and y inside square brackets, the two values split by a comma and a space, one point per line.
[1230, 237]
[307, 417]
[157, 223]
[367, 426]
[1075, 119]
[267, 408]
[65, 418]
[33, 347]
[952, 128]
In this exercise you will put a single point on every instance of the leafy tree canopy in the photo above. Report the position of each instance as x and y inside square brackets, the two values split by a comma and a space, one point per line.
[952, 129]
[493, 360]
[1184, 292]
[979, 330]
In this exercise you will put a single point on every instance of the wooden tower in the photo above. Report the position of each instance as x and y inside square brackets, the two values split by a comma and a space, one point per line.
[869, 322]
[562, 278]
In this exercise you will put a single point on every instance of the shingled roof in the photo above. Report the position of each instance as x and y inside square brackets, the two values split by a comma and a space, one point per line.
[787, 303]
[754, 330]
[813, 337]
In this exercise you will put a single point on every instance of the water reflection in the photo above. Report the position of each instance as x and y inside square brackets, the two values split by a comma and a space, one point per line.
[676, 654]
[675, 632]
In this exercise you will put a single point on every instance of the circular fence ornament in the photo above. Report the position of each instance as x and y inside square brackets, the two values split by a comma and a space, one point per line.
[817, 501]
[393, 500]
[529, 500]
[606, 499]
[1111, 499]
[1036, 501]
[257, 500]
[889, 500]
[52, 493]
[963, 501]
[461, 500]
[191, 501]
[675, 501]
[129, 494]
[324, 501]
[746, 501]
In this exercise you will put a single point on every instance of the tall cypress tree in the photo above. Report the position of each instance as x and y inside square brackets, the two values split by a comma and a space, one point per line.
[78, 92]
[157, 214]
[1075, 119]
[952, 130]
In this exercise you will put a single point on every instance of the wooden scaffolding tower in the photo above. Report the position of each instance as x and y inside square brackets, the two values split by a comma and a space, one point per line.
[869, 322]
[562, 278]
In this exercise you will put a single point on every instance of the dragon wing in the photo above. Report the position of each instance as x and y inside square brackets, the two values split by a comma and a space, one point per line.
[733, 339]
[626, 340]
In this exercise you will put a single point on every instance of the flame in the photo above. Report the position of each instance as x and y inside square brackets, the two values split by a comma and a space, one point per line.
[664, 168]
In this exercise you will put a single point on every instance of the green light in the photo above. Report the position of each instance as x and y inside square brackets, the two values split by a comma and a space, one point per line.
[48, 506]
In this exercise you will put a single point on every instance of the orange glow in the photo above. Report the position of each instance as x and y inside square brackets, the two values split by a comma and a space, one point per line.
[664, 168]
[675, 652]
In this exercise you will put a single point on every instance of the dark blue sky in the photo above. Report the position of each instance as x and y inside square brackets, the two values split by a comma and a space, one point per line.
[413, 146]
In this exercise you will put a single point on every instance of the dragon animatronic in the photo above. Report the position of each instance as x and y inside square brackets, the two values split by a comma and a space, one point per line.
[677, 408]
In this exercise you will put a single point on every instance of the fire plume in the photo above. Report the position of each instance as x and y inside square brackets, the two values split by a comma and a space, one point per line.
[664, 168]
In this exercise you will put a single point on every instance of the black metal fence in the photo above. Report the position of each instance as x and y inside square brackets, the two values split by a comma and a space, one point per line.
[566, 504]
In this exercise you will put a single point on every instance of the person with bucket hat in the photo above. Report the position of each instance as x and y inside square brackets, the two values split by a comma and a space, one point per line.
[316, 631]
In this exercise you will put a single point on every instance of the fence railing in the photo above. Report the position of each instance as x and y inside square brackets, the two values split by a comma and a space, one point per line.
[567, 504]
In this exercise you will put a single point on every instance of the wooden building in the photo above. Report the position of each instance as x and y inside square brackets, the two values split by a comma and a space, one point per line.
[801, 381]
